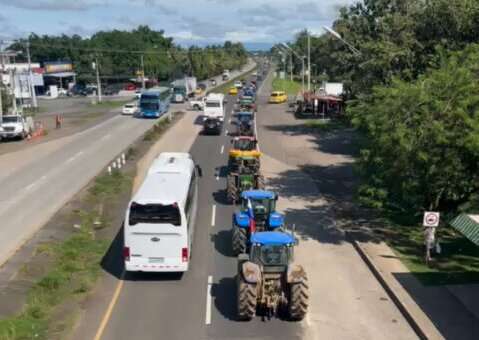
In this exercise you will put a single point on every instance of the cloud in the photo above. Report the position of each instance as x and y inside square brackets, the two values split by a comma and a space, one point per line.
[264, 11]
[184, 35]
[54, 5]
[211, 30]
[163, 9]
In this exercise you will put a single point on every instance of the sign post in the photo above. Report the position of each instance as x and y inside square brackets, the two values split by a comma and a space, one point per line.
[430, 223]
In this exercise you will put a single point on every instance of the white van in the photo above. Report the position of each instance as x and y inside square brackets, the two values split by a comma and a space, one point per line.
[160, 219]
[214, 106]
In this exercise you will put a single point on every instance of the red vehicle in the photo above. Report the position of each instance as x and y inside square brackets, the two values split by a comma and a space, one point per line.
[130, 87]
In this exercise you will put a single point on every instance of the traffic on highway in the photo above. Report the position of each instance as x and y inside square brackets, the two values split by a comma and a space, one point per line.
[236, 170]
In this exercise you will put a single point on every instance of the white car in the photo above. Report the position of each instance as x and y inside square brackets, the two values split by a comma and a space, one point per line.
[198, 104]
[238, 84]
[15, 126]
[130, 109]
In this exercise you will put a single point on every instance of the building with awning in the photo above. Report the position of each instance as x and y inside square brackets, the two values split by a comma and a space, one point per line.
[57, 72]
[467, 225]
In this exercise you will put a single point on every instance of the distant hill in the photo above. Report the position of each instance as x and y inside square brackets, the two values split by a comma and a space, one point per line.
[249, 46]
[257, 46]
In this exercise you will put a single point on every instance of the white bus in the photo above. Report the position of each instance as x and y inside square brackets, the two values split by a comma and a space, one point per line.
[160, 219]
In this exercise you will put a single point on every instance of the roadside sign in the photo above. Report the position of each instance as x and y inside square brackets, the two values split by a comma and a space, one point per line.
[431, 219]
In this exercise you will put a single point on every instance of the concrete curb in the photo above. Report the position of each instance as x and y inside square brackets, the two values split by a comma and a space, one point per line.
[416, 325]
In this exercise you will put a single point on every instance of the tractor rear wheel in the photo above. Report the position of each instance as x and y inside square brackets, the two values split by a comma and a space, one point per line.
[260, 182]
[240, 239]
[247, 297]
[298, 299]
[231, 189]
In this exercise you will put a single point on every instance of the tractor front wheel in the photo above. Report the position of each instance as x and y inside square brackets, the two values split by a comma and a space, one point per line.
[298, 299]
[247, 297]
[240, 239]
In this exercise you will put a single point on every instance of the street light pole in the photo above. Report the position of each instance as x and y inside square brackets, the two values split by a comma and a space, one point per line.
[338, 36]
[30, 75]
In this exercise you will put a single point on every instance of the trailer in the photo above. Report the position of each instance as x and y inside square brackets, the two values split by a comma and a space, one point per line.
[320, 104]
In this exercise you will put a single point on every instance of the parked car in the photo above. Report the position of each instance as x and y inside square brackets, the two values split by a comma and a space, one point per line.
[130, 109]
[238, 84]
[15, 126]
[233, 91]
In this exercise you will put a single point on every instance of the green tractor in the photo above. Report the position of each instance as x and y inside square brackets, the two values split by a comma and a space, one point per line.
[268, 280]
[244, 175]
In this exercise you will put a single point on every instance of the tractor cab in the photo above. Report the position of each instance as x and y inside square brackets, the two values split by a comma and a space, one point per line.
[272, 249]
[246, 104]
[260, 206]
[245, 123]
[245, 143]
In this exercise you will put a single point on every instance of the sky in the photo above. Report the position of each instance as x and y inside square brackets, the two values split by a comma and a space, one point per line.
[187, 21]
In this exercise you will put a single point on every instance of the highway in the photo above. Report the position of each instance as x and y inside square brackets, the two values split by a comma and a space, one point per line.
[38, 180]
[202, 303]
[191, 308]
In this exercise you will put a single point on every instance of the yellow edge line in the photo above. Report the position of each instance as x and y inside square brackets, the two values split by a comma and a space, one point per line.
[109, 311]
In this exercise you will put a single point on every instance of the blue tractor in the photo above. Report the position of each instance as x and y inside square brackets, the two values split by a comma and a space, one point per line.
[269, 281]
[257, 213]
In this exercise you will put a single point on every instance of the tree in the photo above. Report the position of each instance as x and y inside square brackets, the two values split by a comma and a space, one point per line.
[423, 137]
[117, 53]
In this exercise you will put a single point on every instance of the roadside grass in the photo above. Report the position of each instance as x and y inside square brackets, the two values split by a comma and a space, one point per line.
[326, 125]
[290, 87]
[458, 262]
[110, 104]
[157, 129]
[226, 86]
[53, 300]
[75, 267]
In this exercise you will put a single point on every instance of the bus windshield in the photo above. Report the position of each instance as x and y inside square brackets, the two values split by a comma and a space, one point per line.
[155, 214]
[213, 104]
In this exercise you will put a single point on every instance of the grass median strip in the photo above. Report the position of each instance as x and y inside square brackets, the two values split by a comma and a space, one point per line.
[73, 264]
[291, 87]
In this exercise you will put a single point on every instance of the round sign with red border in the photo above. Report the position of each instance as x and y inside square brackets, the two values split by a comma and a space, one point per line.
[431, 219]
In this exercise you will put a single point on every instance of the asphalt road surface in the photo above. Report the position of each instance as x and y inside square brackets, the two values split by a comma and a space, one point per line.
[38, 180]
[201, 304]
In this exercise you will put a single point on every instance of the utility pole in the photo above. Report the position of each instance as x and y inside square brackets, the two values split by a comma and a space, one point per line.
[12, 86]
[1, 79]
[30, 75]
[1, 107]
[98, 82]
[142, 73]
[309, 61]
[303, 69]
[291, 66]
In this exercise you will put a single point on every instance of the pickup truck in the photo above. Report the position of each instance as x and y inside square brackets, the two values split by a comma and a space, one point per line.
[198, 104]
[15, 126]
